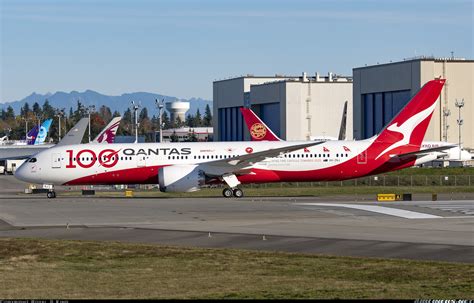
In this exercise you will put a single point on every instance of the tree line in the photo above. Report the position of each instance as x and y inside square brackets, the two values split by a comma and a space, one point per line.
[15, 125]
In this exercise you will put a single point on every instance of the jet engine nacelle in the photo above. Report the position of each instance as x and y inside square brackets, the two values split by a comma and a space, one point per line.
[181, 178]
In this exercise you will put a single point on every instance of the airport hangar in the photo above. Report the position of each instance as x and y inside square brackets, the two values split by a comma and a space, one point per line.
[294, 107]
[301, 107]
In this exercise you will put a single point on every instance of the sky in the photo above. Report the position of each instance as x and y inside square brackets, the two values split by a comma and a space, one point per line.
[179, 47]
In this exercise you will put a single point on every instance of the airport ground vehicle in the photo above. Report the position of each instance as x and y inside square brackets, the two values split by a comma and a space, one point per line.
[12, 165]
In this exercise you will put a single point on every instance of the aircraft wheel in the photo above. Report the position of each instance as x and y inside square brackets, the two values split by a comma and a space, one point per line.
[227, 192]
[51, 194]
[238, 193]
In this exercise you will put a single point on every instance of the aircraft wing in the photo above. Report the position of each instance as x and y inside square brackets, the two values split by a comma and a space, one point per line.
[240, 164]
[424, 152]
[75, 134]
[13, 152]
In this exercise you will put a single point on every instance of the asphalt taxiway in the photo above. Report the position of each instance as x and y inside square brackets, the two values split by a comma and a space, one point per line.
[428, 230]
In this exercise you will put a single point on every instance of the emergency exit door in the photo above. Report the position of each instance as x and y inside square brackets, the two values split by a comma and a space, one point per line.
[56, 161]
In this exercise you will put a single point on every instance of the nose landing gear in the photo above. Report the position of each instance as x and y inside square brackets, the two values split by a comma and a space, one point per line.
[51, 194]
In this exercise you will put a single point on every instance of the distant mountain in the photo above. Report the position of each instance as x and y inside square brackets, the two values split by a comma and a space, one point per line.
[116, 103]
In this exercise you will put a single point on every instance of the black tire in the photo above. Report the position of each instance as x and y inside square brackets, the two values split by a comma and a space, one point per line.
[227, 192]
[238, 193]
[50, 195]
[54, 194]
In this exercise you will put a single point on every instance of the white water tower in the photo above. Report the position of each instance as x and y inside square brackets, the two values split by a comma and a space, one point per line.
[177, 109]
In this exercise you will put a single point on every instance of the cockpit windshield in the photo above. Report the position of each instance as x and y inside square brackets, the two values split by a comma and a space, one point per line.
[32, 160]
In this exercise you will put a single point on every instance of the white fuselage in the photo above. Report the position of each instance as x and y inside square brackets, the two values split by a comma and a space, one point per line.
[139, 163]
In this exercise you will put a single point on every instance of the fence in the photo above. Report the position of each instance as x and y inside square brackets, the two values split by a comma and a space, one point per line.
[385, 180]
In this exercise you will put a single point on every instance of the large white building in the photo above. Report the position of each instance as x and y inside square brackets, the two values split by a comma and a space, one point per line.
[294, 107]
[380, 91]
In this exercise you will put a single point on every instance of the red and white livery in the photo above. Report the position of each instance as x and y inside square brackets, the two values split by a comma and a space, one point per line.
[186, 167]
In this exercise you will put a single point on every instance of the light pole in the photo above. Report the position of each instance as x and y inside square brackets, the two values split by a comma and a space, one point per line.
[26, 126]
[446, 113]
[90, 109]
[59, 114]
[160, 112]
[135, 109]
[459, 104]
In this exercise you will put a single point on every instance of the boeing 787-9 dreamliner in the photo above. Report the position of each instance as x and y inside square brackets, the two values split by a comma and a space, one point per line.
[186, 167]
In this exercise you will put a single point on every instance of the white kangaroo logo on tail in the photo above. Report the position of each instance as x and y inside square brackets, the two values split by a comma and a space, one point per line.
[407, 128]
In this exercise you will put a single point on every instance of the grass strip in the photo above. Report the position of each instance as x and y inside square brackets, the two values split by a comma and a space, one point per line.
[33, 268]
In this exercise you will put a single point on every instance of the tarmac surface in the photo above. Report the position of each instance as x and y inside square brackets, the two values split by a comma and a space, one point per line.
[425, 230]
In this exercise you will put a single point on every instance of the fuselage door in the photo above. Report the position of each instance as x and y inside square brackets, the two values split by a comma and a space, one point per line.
[56, 160]
[141, 161]
[362, 157]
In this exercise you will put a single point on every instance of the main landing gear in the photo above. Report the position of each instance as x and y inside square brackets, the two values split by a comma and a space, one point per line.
[229, 192]
[232, 181]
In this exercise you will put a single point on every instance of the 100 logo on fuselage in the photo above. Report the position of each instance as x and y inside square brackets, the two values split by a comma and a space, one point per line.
[107, 158]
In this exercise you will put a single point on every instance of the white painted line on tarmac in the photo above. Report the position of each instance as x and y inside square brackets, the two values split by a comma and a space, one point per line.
[379, 209]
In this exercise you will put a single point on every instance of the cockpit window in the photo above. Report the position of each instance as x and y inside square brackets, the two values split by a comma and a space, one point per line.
[32, 160]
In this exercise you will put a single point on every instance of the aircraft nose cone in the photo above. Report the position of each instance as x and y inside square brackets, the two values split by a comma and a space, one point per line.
[21, 173]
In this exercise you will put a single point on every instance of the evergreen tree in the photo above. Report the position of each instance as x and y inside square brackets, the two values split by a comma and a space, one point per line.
[116, 114]
[3, 115]
[190, 121]
[37, 109]
[198, 119]
[48, 110]
[127, 115]
[165, 119]
[178, 123]
[25, 110]
[69, 119]
[126, 123]
[79, 112]
[143, 114]
[207, 120]
[10, 114]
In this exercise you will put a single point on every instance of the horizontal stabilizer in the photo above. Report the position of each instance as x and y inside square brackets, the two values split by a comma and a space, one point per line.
[424, 152]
